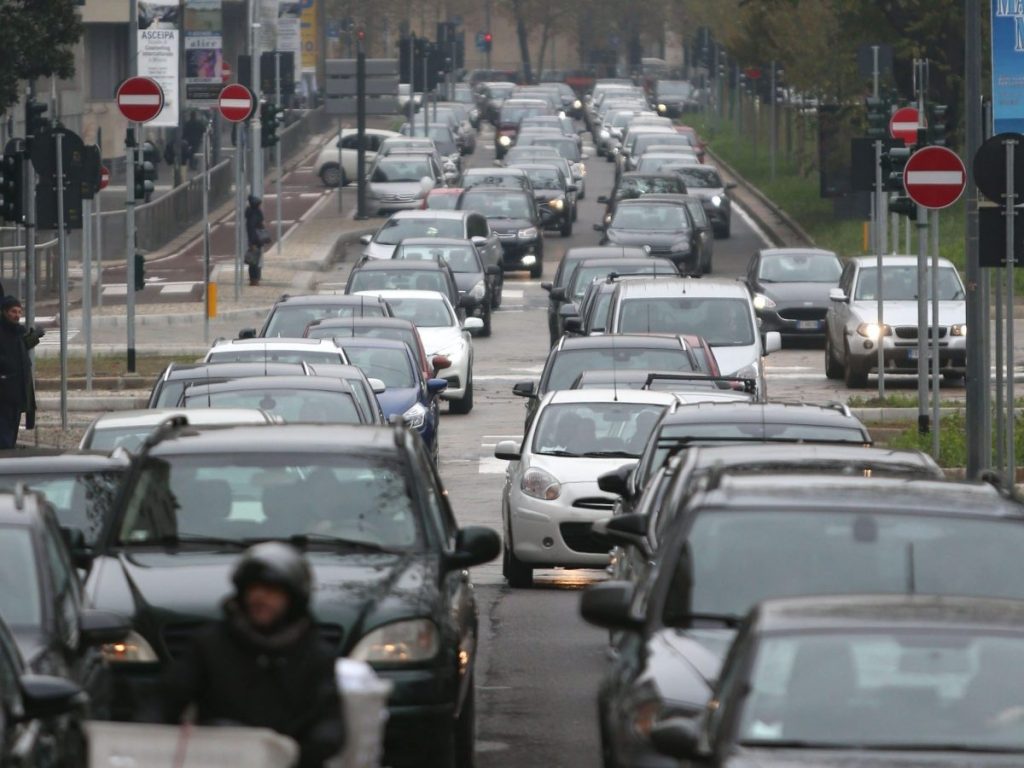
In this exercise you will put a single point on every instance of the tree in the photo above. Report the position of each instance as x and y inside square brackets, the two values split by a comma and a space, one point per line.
[37, 39]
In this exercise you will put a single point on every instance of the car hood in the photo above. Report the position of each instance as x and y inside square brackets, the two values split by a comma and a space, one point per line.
[354, 591]
[905, 312]
[375, 250]
[397, 400]
[645, 237]
[570, 470]
[435, 339]
[732, 359]
[396, 187]
[855, 758]
[805, 294]
[682, 665]
[465, 281]
[504, 226]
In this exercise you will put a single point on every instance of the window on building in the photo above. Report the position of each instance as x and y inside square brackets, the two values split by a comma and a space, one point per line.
[106, 50]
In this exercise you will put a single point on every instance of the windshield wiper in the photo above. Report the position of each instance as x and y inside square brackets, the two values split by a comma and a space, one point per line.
[611, 455]
[558, 452]
[797, 744]
[727, 619]
[174, 540]
[304, 540]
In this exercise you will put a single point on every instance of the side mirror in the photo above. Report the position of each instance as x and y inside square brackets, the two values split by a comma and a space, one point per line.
[573, 325]
[836, 294]
[426, 184]
[102, 627]
[472, 324]
[628, 530]
[474, 545]
[436, 386]
[676, 737]
[377, 386]
[74, 540]
[440, 362]
[572, 188]
[602, 199]
[478, 241]
[618, 481]
[568, 310]
[772, 342]
[366, 239]
[730, 185]
[508, 450]
[247, 333]
[493, 269]
[557, 294]
[599, 227]
[524, 389]
[498, 164]
[546, 286]
[608, 605]
[47, 696]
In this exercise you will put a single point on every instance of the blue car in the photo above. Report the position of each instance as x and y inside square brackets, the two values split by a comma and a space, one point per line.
[408, 395]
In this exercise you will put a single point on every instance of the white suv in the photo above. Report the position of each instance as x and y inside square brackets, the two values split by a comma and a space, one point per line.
[853, 332]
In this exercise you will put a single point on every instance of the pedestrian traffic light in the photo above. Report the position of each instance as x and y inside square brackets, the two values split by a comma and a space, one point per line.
[144, 178]
[271, 117]
[140, 271]
[12, 166]
[488, 41]
[893, 162]
[938, 125]
[878, 118]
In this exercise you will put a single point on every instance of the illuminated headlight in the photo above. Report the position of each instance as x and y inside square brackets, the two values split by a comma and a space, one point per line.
[415, 417]
[404, 642]
[132, 650]
[873, 330]
[607, 219]
[557, 204]
[958, 330]
[763, 302]
[577, 104]
[662, 108]
[505, 140]
[561, 113]
[716, 200]
[604, 135]
[528, 233]
[540, 484]
[478, 291]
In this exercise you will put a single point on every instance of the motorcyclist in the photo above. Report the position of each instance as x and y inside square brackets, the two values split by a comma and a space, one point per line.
[263, 664]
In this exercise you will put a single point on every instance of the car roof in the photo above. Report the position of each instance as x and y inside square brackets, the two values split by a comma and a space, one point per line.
[399, 265]
[646, 175]
[484, 190]
[280, 438]
[229, 370]
[894, 261]
[836, 414]
[611, 261]
[58, 462]
[373, 342]
[272, 343]
[685, 286]
[432, 241]
[410, 294]
[604, 252]
[433, 213]
[806, 251]
[23, 509]
[739, 456]
[153, 417]
[609, 395]
[314, 299]
[367, 322]
[500, 170]
[270, 382]
[622, 341]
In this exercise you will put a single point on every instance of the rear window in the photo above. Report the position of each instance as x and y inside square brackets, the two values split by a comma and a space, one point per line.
[395, 230]
[291, 322]
[721, 322]
[570, 363]
[402, 280]
[313, 357]
[392, 366]
[304, 405]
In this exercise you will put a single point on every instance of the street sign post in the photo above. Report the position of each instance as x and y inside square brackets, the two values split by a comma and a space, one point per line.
[236, 103]
[904, 124]
[935, 177]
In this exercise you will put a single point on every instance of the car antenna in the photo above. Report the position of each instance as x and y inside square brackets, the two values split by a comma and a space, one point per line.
[615, 374]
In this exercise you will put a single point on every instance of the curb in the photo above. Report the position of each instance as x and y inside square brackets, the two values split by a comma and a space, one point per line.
[94, 403]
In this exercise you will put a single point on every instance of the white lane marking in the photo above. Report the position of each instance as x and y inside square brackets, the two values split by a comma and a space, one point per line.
[178, 287]
[489, 465]
[507, 294]
[749, 221]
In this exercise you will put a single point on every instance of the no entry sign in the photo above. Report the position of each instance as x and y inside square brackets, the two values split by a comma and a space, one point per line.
[935, 177]
[903, 125]
[104, 177]
[140, 99]
[235, 103]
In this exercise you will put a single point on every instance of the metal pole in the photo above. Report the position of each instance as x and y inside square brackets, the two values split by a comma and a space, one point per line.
[922, 320]
[879, 211]
[361, 132]
[87, 224]
[487, 26]
[62, 250]
[129, 239]
[240, 135]
[254, 124]
[936, 375]
[277, 148]
[29, 206]
[997, 289]
[424, 103]
[341, 172]
[1011, 199]
[772, 130]
[99, 249]
[205, 159]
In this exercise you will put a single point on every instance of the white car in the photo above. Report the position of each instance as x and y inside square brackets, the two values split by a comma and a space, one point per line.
[327, 160]
[852, 331]
[442, 334]
[551, 497]
[276, 350]
[128, 429]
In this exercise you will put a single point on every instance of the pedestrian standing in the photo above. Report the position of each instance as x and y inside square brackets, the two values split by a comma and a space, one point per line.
[17, 390]
[257, 237]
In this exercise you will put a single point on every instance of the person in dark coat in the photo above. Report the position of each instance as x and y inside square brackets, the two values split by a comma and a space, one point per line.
[263, 664]
[253, 225]
[17, 390]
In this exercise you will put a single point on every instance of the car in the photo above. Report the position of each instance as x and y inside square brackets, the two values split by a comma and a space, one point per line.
[790, 288]
[569, 149]
[663, 381]
[832, 677]
[558, 125]
[445, 142]
[463, 225]
[441, 199]
[509, 178]
[703, 230]
[555, 195]
[550, 497]
[609, 134]
[415, 145]
[176, 377]
[129, 429]
[670, 161]
[594, 309]
[570, 356]
[274, 350]
[42, 604]
[705, 182]
[306, 399]
[443, 335]
[515, 219]
[376, 526]
[636, 184]
[406, 275]
[674, 97]
[510, 113]
[636, 144]
[367, 391]
[665, 226]
[289, 315]
[479, 287]
[531, 154]
[852, 332]
[327, 167]
[745, 539]
[407, 395]
[629, 137]
[492, 96]
[400, 182]
[717, 310]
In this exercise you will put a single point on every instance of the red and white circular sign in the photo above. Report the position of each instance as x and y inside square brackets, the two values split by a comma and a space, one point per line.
[903, 125]
[104, 177]
[935, 177]
[140, 99]
[225, 72]
[235, 103]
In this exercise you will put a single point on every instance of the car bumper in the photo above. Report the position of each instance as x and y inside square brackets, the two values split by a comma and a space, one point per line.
[457, 376]
[388, 206]
[903, 355]
[422, 705]
[686, 262]
[520, 254]
[772, 320]
[557, 533]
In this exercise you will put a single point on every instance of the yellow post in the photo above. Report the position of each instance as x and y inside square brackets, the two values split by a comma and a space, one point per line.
[865, 237]
[211, 303]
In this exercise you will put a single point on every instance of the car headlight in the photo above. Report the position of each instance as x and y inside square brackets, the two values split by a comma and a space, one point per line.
[958, 330]
[683, 246]
[540, 484]
[604, 135]
[561, 113]
[478, 291]
[716, 200]
[580, 170]
[455, 349]
[763, 302]
[577, 104]
[415, 417]
[873, 330]
[403, 642]
[662, 107]
[504, 140]
[528, 233]
[557, 204]
[132, 650]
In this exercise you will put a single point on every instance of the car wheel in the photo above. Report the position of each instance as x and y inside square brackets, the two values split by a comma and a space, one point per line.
[538, 268]
[833, 369]
[854, 376]
[566, 230]
[331, 175]
[496, 294]
[486, 330]
[953, 377]
[575, 212]
[465, 729]
[464, 404]
[517, 573]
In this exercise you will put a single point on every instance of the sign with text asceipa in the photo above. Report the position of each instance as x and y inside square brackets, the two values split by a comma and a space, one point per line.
[158, 54]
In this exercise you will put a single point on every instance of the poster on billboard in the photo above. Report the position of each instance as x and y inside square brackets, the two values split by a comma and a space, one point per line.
[309, 35]
[1008, 66]
[268, 10]
[204, 52]
[289, 30]
[158, 54]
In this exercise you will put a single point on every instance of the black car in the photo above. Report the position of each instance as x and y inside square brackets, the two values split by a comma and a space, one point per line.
[479, 287]
[291, 314]
[368, 508]
[388, 275]
[506, 128]
[864, 680]
[509, 178]
[790, 288]
[296, 399]
[665, 226]
[176, 377]
[704, 182]
[555, 195]
[673, 97]
[747, 539]
[42, 603]
[636, 184]
[513, 216]
[704, 241]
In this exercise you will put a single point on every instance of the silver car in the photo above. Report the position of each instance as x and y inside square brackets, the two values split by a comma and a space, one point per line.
[401, 182]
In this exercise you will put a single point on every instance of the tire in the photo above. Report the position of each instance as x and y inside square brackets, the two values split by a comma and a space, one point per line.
[517, 573]
[331, 174]
[465, 729]
[953, 377]
[537, 269]
[853, 376]
[566, 230]
[486, 330]
[705, 264]
[575, 212]
[464, 404]
[833, 369]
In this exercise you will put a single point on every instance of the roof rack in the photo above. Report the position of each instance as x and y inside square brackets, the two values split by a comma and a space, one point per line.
[749, 384]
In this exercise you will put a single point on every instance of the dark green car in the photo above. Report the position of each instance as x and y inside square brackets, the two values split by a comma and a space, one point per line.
[366, 505]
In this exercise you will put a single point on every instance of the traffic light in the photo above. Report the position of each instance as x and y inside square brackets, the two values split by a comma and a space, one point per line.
[140, 271]
[12, 165]
[903, 205]
[938, 125]
[271, 117]
[35, 119]
[145, 177]
[488, 42]
[893, 163]
[878, 118]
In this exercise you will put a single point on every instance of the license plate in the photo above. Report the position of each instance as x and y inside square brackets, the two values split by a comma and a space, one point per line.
[808, 325]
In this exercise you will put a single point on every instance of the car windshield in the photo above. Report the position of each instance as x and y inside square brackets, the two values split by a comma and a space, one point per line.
[696, 177]
[570, 363]
[396, 168]
[395, 230]
[900, 284]
[513, 114]
[567, 148]
[392, 145]
[658, 163]
[82, 501]
[21, 607]
[722, 322]
[500, 206]
[392, 366]
[302, 405]
[584, 275]
[674, 88]
[246, 496]
[424, 313]
[545, 178]
[443, 202]
[494, 179]
[800, 268]
[595, 429]
[398, 280]
[662, 140]
[635, 186]
[500, 90]
[460, 258]
[261, 355]
[651, 218]
[291, 321]
[911, 689]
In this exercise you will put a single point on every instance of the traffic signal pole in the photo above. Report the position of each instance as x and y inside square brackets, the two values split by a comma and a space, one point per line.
[29, 208]
[129, 238]
[923, 330]
[255, 127]
[1011, 199]
[880, 234]
[62, 254]
[277, 147]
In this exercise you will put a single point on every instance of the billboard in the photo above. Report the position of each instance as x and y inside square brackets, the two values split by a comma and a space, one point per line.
[1008, 66]
[310, 37]
[204, 52]
[158, 54]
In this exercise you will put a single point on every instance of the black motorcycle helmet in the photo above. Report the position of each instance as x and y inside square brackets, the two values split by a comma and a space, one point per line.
[277, 564]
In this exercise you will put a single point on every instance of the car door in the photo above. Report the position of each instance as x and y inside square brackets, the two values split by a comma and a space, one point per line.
[838, 311]
[751, 277]
[477, 226]
[350, 153]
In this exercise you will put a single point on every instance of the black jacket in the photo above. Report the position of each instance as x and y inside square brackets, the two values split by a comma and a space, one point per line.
[16, 385]
[253, 222]
[284, 681]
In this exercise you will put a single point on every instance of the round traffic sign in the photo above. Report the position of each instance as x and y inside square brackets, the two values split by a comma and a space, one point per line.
[935, 177]
[140, 99]
[990, 167]
[104, 177]
[235, 103]
[904, 124]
